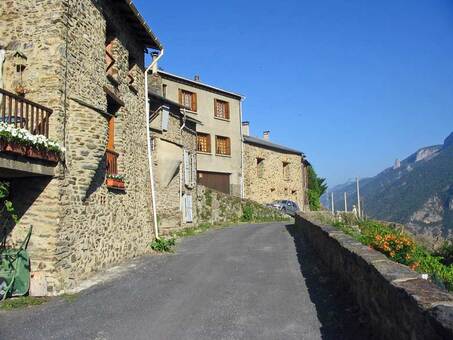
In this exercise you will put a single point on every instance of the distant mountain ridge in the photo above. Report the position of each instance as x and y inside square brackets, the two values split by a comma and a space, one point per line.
[418, 191]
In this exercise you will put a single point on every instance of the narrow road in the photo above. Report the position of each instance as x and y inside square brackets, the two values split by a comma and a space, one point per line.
[244, 282]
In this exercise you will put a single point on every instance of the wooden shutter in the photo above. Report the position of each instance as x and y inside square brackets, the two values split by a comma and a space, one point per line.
[208, 142]
[188, 208]
[111, 134]
[194, 102]
[186, 168]
[227, 110]
[180, 96]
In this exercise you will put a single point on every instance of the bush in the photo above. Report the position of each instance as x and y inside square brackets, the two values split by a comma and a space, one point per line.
[247, 213]
[163, 245]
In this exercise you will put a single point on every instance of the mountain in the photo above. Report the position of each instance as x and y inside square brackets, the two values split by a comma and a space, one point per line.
[417, 192]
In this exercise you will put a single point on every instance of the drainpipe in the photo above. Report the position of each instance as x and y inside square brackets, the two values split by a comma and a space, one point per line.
[148, 140]
[242, 149]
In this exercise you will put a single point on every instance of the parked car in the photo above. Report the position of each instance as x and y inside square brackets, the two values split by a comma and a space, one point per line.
[276, 204]
[289, 207]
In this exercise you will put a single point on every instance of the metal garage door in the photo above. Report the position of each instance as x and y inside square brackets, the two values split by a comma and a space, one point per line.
[215, 180]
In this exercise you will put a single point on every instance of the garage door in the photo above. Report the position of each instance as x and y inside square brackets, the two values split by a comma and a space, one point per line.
[215, 180]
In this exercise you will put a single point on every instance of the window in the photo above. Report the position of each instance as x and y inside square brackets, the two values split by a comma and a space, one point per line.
[204, 142]
[221, 109]
[110, 154]
[222, 145]
[188, 100]
[286, 170]
[260, 167]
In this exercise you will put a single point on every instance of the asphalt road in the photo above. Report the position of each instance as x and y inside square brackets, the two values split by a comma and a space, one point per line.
[244, 282]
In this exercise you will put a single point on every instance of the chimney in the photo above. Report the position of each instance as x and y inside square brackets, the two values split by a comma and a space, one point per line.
[196, 78]
[155, 66]
[266, 135]
[246, 128]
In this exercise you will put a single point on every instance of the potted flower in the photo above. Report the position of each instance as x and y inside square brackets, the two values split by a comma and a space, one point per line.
[22, 142]
[115, 181]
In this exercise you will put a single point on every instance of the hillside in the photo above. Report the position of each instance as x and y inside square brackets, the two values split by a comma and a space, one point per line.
[417, 191]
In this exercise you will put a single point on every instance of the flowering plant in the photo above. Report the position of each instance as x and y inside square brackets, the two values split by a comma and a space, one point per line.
[20, 136]
[116, 176]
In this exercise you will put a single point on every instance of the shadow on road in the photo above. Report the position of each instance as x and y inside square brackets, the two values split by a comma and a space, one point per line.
[339, 316]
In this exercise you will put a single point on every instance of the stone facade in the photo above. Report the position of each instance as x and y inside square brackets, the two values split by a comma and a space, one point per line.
[211, 162]
[174, 161]
[271, 173]
[80, 225]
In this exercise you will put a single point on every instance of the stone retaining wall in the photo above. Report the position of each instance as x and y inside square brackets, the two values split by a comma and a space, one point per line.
[397, 302]
[215, 207]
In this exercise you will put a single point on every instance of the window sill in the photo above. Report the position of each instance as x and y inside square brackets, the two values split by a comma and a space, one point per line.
[204, 153]
[190, 111]
[220, 118]
[221, 155]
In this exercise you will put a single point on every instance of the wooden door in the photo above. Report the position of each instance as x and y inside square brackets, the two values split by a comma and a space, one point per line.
[215, 180]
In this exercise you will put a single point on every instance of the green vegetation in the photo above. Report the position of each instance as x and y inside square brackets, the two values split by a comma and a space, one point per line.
[22, 302]
[5, 204]
[401, 248]
[247, 213]
[316, 187]
[163, 245]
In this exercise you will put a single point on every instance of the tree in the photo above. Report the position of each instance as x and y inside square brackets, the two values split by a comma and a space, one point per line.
[316, 187]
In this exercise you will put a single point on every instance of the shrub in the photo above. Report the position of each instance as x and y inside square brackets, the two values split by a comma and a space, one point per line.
[163, 245]
[247, 213]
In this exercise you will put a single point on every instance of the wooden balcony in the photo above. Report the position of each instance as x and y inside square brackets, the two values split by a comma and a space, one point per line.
[23, 113]
[112, 162]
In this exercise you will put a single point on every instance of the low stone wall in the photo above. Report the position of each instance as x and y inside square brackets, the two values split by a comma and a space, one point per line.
[216, 208]
[397, 302]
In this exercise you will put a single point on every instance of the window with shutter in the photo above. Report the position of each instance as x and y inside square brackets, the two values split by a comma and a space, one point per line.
[221, 109]
[204, 142]
[188, 100]
[223, 146]
[187, 175]
[188, 208]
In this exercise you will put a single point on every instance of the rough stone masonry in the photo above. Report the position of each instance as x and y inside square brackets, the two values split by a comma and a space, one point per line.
[80, 225]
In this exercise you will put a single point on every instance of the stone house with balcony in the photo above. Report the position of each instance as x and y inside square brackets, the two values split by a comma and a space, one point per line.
[219, 141]
[174, 144]
[273, 171]
[74, 70]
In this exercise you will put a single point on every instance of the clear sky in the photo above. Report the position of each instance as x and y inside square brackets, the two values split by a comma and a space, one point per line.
[353, 84]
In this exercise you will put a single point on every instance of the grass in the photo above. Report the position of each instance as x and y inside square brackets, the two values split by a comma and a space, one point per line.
[22, 302]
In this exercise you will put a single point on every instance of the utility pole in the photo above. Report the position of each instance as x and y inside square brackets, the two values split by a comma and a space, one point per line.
[332, 205]
[359, 210]
[345, 202]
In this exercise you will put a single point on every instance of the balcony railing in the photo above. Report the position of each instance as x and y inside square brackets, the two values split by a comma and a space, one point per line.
[112, 162]
[23, 113]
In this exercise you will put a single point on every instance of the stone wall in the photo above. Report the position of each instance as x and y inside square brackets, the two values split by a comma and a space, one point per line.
[217, 208]
[395, 301]
[271, 184]
[80, 226]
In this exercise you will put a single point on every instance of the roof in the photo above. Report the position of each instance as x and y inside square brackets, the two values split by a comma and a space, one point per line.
[266, 144]
[173, 103]
[200, 84]
[138, 24]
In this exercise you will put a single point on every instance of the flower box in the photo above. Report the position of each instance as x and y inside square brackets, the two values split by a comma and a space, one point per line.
[16, 149]
[115, 183]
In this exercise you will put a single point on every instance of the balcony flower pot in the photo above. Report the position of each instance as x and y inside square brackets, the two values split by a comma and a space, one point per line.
[35, 153]
[52, 156]
[115, 183]
[2, 145]
[16, 149]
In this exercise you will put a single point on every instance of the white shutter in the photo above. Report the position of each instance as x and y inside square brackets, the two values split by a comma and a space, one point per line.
[165, 118]
[194, 169]
[186, 168]
[188, 208]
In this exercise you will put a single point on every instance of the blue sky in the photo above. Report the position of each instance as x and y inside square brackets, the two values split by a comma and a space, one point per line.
[353, 84]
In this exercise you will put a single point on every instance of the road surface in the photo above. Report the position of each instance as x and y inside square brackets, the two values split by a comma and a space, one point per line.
[241, 282]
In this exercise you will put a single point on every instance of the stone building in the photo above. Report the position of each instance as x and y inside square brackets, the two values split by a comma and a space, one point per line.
[174, 142]
[219, 161]
[272, 171]
[84, 60]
